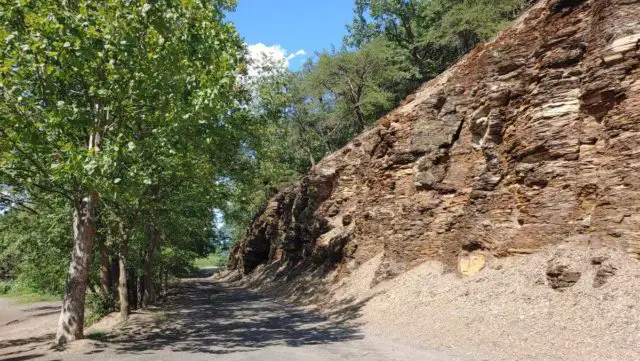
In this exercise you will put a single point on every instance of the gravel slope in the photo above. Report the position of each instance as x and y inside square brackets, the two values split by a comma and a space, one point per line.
[509, 311]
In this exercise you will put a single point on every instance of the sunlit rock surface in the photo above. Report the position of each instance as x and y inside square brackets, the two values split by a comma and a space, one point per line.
[531, 140]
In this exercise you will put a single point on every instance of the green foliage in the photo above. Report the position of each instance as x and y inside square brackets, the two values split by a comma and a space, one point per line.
[21, 293]
[134, 103]
[80, 70]
[98, 306]
[216, 259]
[434, 32]
[354, 88]
[37, 246]
[463, 24]
[178, 262]
[5, 287]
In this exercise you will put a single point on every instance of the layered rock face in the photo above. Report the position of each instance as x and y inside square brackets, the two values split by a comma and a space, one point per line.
[531, 140]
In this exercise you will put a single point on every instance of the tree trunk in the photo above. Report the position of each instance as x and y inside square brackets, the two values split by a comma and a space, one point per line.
[360, 119]
[165, 284]
[71, 322]
[123, 290]
[311, 160]
[105, 277]
[149, 294]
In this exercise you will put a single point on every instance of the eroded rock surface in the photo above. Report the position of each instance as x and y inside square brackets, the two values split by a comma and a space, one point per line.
[531, 140]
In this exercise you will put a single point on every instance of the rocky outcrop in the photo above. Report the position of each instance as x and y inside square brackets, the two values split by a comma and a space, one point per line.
[530, 140]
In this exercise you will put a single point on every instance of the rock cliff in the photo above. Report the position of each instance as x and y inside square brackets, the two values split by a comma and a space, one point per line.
[531, 140]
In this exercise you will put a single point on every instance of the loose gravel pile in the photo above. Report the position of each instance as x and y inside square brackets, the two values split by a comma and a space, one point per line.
[561, 304]
[509, 311]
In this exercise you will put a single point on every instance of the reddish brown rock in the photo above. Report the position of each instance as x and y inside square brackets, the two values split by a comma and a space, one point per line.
[529, 141]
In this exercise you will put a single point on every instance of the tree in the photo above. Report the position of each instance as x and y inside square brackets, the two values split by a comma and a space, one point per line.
[83, 81]
[355, 86]
[462, 24]
[434, 32]
[32, 244]
[399, 20]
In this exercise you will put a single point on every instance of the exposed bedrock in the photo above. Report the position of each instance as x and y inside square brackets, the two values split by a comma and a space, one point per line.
[531, 140]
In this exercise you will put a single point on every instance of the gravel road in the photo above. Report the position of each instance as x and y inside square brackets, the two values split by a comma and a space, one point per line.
[206, 320]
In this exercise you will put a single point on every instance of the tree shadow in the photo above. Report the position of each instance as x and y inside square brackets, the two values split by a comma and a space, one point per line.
[43, 314]
[43, 308]
[305, 285]
[204, 272]
[25, 357]
[205, 317]
[24, 346]
[26, 341]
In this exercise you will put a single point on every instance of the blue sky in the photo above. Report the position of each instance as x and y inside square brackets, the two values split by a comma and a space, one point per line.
[293, 26]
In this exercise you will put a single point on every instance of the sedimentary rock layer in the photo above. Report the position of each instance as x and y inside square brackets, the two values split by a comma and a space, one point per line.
[531, 140]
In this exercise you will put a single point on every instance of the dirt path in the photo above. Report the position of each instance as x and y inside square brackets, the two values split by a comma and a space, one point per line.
[206, 320]
[26, 329]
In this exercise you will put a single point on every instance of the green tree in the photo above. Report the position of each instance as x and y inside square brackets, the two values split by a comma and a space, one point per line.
[82, 82]
[399, 20]
[434, 32]
[462, 24]
[32, 243]
[354, 88]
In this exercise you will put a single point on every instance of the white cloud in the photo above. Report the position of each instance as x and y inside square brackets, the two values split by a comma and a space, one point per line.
[298, 53]
[263, 56]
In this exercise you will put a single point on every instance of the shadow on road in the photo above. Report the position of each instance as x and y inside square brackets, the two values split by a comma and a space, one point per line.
[205, 272]
[24, 358]
[205, 317]
[23, 345]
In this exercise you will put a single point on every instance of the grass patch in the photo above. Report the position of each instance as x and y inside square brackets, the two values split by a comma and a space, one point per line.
[32, 298]
[21, 295]
[217, 259]
[97, 307]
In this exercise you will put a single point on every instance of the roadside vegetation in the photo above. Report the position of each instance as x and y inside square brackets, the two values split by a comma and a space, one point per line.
[216, 259]
[18, 294]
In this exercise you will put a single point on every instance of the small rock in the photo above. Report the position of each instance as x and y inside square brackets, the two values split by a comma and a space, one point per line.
[562, 276]
[333, 210]
[598, 260]
[603, 274]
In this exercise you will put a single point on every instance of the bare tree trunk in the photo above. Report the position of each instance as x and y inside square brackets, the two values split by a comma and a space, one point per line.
[361, 124]
[71, 322]
[105, 277]
[311, 160]
[149, 294]
[123, 290]
[165, 284]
